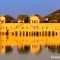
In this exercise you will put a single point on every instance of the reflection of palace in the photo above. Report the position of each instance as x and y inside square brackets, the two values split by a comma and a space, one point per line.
[33, 34]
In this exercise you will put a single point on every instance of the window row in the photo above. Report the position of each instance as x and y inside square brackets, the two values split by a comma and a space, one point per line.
[43, 33]
[33, 33]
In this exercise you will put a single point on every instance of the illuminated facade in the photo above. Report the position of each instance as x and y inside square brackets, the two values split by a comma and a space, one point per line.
[33, 34]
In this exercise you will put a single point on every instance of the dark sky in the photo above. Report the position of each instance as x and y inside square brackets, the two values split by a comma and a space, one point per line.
[30, 7]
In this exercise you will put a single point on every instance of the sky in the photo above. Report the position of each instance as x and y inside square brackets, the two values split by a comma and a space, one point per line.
[29, 7]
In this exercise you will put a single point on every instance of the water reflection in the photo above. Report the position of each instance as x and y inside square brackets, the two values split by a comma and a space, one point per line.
[24, 49]
[27, 44]
[27, 49]
[54, 48]
[39, 51]
[8, 49]
[58, 49]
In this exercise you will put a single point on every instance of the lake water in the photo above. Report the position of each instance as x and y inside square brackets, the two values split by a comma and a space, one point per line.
[50, 53]
[45, 54]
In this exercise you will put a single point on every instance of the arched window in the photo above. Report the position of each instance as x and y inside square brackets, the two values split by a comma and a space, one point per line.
[2, 33]
[37, 33]
[12, 33]
[42, 33]
[34, 33]
[23, 33]
[56, 33]
[29, 33]
[45, 33]
[7, 32]
[20, 33]
[16, 33]
[49, 33]
[26, 33]
[52, 33]
[2, 21]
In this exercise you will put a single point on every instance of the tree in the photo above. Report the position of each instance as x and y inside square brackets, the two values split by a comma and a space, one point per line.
[53, 19]
[24, 18]
[9, 19]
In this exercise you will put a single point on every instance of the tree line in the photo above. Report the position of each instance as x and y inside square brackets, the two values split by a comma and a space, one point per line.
[51, 19]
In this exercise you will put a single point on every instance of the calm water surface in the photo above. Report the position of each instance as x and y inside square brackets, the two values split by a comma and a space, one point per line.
[50, 53]
[45, 54]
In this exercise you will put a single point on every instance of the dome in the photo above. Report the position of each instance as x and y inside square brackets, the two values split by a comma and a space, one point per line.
[2, 19]
[34, 19]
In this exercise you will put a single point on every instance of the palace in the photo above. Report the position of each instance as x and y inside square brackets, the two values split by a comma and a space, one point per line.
[33, 34]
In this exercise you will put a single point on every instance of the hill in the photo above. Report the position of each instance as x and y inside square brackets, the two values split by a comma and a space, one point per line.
[53, 17]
